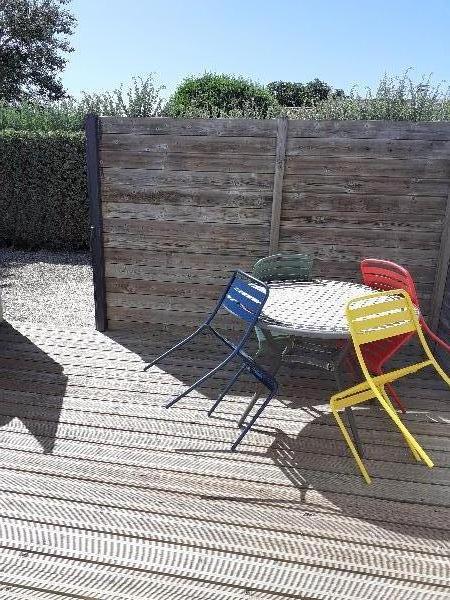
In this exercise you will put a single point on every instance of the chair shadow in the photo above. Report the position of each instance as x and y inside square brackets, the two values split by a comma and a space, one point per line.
[32, 387]
[334, 476]
[188, 363]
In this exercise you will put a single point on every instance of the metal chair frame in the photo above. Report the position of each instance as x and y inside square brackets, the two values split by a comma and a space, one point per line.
[244, 298]
[296, 267]
[386, 275]
[371, 318]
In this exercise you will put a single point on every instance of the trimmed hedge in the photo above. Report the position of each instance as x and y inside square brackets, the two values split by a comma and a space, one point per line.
[43, 190]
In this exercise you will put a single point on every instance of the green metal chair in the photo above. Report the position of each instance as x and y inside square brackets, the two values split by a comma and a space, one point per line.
[285, 349]
[284, 267]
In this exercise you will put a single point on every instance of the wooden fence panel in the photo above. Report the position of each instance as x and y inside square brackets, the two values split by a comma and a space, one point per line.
[356, 189]
[186, 201]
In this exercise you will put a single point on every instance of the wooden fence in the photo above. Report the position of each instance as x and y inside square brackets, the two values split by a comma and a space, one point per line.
[178, 204]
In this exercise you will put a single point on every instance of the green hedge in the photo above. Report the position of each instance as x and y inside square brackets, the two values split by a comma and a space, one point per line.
[43, 190]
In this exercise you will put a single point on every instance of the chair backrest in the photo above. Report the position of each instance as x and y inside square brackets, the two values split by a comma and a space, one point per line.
[284, 267]
[380, 316]
[244, 297]
[387, 275]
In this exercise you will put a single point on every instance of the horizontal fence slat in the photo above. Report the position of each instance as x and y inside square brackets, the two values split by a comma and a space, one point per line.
[181, 260]
[368, 167]
[333, 184]
[364, 203]
[356, 236]
[170, 143]
[214, 180]
[196, 214]
[227, 127]
[368, 148]
[122, 192]
[190, 230]
[179, 161]
[394, 130]
[232, 247]
[416, 222]
[162, 288]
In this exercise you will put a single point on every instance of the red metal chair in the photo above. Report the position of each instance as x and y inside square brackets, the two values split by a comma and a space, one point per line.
[386, 275]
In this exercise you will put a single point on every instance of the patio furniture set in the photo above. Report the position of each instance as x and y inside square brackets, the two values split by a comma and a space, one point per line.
[325, 324]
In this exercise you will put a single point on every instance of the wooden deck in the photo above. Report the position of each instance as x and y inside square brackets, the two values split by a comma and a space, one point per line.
[107, 495]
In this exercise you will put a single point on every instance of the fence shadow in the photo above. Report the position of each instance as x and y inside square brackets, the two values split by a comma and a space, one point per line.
[32, 387]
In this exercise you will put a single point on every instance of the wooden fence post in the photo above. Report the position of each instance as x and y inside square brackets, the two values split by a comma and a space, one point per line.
[443, 269]
[280, 160]
[92, 129]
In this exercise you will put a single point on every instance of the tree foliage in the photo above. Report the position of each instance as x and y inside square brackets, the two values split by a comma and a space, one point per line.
[213, 95]
[302, 94]
[33, 39]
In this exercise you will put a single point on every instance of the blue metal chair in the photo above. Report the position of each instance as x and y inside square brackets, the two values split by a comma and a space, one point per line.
[244, 298]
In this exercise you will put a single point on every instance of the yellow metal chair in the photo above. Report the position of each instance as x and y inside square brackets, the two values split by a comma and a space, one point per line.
[376, 317]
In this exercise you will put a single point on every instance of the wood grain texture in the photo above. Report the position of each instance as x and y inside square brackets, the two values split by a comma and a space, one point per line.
[195, 214]
[138, 501]
[186, 179]
[368, 148]
[390, 130]
[169, 143]
[381, 167]
[191, 127]
[182, 161]
[187, 201]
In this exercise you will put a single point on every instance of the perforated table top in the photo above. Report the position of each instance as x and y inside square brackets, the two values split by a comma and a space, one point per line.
[310, 309]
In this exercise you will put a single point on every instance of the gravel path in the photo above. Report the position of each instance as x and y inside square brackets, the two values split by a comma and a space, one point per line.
[47, 288]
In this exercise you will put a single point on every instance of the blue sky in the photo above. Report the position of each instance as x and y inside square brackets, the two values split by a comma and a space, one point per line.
[343, 42]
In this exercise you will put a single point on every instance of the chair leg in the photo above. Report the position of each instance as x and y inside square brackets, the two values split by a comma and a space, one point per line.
[201, 380]
[411, 446]
[349, 414]
[225, 391]
[434, 337]
[252, 420]
[276, 356]
[257, 393]
[351, 445]
[178, 345]
[395, 397]
[412, 442]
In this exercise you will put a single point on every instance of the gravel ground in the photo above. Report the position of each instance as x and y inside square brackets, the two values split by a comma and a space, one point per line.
[47, 288]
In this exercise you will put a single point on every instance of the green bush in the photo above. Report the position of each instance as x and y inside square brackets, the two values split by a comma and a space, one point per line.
[397, 98]
[43, 193]
[139, 99]
[213, 95]
[65, 115]
[302, 94]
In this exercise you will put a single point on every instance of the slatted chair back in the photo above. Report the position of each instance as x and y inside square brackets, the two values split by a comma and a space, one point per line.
[284, 267]
[380, 316]
[245, 297]
[387, 275]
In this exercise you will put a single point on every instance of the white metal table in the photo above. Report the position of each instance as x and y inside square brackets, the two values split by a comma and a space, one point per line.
[309, 309]
[312, 309]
